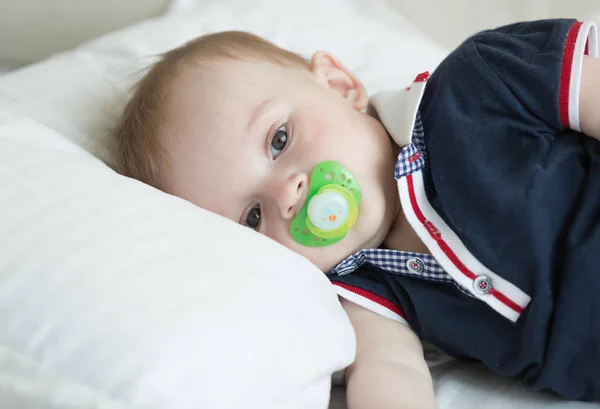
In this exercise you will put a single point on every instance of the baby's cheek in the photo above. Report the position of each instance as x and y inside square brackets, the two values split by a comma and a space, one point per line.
[321, 127]
[281, 234]
[323, 257]
[316, 124]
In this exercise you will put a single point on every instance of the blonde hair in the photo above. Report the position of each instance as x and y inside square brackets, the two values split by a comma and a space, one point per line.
[140, 152]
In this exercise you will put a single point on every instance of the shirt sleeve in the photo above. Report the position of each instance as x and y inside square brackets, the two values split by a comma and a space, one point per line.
[365, 288]
[540, 63]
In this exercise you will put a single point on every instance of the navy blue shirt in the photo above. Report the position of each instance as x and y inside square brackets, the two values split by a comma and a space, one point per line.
[498, 182]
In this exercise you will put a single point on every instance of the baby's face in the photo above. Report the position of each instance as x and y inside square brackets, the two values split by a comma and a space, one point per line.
[244, 138]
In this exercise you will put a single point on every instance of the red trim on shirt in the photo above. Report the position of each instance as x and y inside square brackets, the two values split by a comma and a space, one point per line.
[565, 76]
[384, 302]
[506, 301]
[437, 236]
[422, 77]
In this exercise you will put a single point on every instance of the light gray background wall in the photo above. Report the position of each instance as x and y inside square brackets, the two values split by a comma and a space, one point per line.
[33, 29]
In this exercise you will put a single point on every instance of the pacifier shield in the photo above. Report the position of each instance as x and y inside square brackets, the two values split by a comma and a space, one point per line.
[331, 208]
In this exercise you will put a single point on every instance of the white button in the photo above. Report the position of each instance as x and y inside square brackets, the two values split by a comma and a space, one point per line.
[482, 284]
[415, 265]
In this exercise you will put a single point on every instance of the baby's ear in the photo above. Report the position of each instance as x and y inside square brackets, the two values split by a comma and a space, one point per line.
[331, 73]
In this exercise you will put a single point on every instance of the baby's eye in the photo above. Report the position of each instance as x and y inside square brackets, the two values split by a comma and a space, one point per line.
[279, 142]
[253, 217]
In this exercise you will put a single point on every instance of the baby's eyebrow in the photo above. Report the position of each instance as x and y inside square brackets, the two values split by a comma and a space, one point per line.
[257, 113]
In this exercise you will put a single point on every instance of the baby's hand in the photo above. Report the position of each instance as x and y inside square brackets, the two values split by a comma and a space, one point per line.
[390, 370]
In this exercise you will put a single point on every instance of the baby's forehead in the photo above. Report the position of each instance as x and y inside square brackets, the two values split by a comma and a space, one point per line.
[233, 73]
[211, 101]
[216, 92]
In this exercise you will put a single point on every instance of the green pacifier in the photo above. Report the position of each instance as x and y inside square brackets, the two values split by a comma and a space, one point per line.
[331, 207]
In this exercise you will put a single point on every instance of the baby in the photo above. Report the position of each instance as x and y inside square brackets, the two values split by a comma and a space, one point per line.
[463, 211]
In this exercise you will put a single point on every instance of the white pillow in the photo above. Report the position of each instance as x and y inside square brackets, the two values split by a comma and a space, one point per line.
[115, 295]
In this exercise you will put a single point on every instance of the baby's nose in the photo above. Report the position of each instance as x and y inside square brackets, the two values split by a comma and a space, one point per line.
[292, 195]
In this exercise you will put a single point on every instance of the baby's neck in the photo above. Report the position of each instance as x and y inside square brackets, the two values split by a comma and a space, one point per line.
[401, 236]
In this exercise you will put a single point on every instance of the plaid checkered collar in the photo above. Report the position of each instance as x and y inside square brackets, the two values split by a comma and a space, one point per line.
[398, 110]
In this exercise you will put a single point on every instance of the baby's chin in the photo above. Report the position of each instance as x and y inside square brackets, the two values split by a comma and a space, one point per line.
[326, 258]
[373, 224]
[373, 230]
[352, 243]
